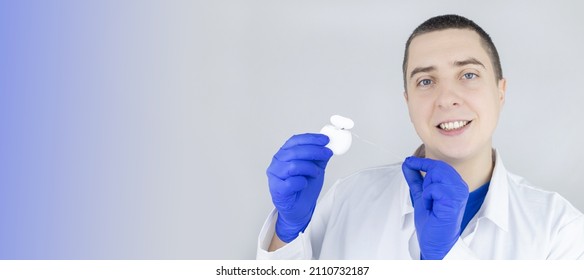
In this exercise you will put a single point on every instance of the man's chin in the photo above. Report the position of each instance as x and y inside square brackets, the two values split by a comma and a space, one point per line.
[448, 154]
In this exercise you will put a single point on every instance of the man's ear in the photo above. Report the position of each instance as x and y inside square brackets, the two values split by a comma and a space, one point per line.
[502, 85]
[406, 96]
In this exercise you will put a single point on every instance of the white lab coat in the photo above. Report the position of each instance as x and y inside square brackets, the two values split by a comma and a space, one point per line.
[369, 215]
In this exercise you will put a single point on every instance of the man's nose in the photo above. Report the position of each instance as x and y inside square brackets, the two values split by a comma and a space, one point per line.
[448, 96]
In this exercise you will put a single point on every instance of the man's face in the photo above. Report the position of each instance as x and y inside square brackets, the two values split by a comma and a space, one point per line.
[453, 96]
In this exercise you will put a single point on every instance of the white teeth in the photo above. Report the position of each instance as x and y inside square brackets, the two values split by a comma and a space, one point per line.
[453, 125]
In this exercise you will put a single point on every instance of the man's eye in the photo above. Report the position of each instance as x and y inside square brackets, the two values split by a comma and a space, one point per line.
[470, 76]
[425, 82]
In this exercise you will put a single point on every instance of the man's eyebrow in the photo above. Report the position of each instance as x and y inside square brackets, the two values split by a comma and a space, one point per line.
[422, 69]
[468, 61]
[457, 63]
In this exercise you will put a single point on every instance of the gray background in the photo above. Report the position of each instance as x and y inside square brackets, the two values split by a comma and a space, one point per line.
[282, 68]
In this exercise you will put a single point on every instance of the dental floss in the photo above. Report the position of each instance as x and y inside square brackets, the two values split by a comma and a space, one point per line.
[341, 137]
[386, 151]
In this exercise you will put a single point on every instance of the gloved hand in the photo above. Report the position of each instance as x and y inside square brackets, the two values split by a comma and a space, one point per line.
[439, 202]
[295, 177]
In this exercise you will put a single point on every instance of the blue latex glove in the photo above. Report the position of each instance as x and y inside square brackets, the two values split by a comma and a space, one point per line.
[295, 177]
[439, 202]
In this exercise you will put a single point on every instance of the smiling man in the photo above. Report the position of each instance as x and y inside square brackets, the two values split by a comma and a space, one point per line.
[455, 91]
[453, 199]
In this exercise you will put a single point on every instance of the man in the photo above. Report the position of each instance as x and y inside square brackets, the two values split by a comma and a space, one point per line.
[453, 199]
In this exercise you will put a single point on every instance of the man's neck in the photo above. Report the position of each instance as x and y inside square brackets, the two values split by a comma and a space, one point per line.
[475, 171]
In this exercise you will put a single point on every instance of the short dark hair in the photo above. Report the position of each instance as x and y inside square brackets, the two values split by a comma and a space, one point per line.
[443, 22]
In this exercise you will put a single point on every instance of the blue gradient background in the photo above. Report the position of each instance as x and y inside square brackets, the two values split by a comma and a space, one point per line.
[142, 129]
[99, 103]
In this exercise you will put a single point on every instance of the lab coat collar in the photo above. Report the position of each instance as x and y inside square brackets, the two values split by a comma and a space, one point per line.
[406, 202]
[496, 204]
[407, 207]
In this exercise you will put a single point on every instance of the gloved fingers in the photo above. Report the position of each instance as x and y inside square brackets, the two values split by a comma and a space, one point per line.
[304, 152]
[437, 171]
[306, 139]
[445, 200]
[414, 179]
[444, 174]
[420, 164]
[445, 192]
[288, 187]
[284, 170]
[321, 163]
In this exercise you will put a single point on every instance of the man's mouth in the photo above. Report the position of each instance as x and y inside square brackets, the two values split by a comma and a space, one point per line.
[453, 125]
